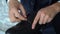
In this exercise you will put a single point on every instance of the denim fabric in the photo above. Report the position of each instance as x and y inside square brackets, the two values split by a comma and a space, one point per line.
[49, 29]
[28, 5]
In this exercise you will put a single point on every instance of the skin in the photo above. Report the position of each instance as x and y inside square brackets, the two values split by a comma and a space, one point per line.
[14, 6]
[44, 15]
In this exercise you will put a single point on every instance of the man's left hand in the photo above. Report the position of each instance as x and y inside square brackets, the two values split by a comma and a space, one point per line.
[44, 15]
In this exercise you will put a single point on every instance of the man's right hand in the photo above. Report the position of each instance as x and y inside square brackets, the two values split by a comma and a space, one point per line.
[14, 6]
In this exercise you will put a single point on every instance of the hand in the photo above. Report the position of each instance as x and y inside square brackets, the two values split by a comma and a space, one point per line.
[14, 15]
[45, 15]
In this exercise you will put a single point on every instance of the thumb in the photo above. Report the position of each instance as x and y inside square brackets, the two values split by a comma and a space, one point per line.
[23, 10]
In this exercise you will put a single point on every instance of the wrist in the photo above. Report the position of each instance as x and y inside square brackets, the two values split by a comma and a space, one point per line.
[13, 3]
[56, 6]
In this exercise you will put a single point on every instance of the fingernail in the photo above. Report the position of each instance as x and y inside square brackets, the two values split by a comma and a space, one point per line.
[32, 27]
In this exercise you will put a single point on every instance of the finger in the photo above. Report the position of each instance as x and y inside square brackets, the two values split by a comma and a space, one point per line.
[17, 20]
[11, 16]
[35, 20]
[23, 10]
[45, 19]
[18, 15]
[49, 20]
[41, 18]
